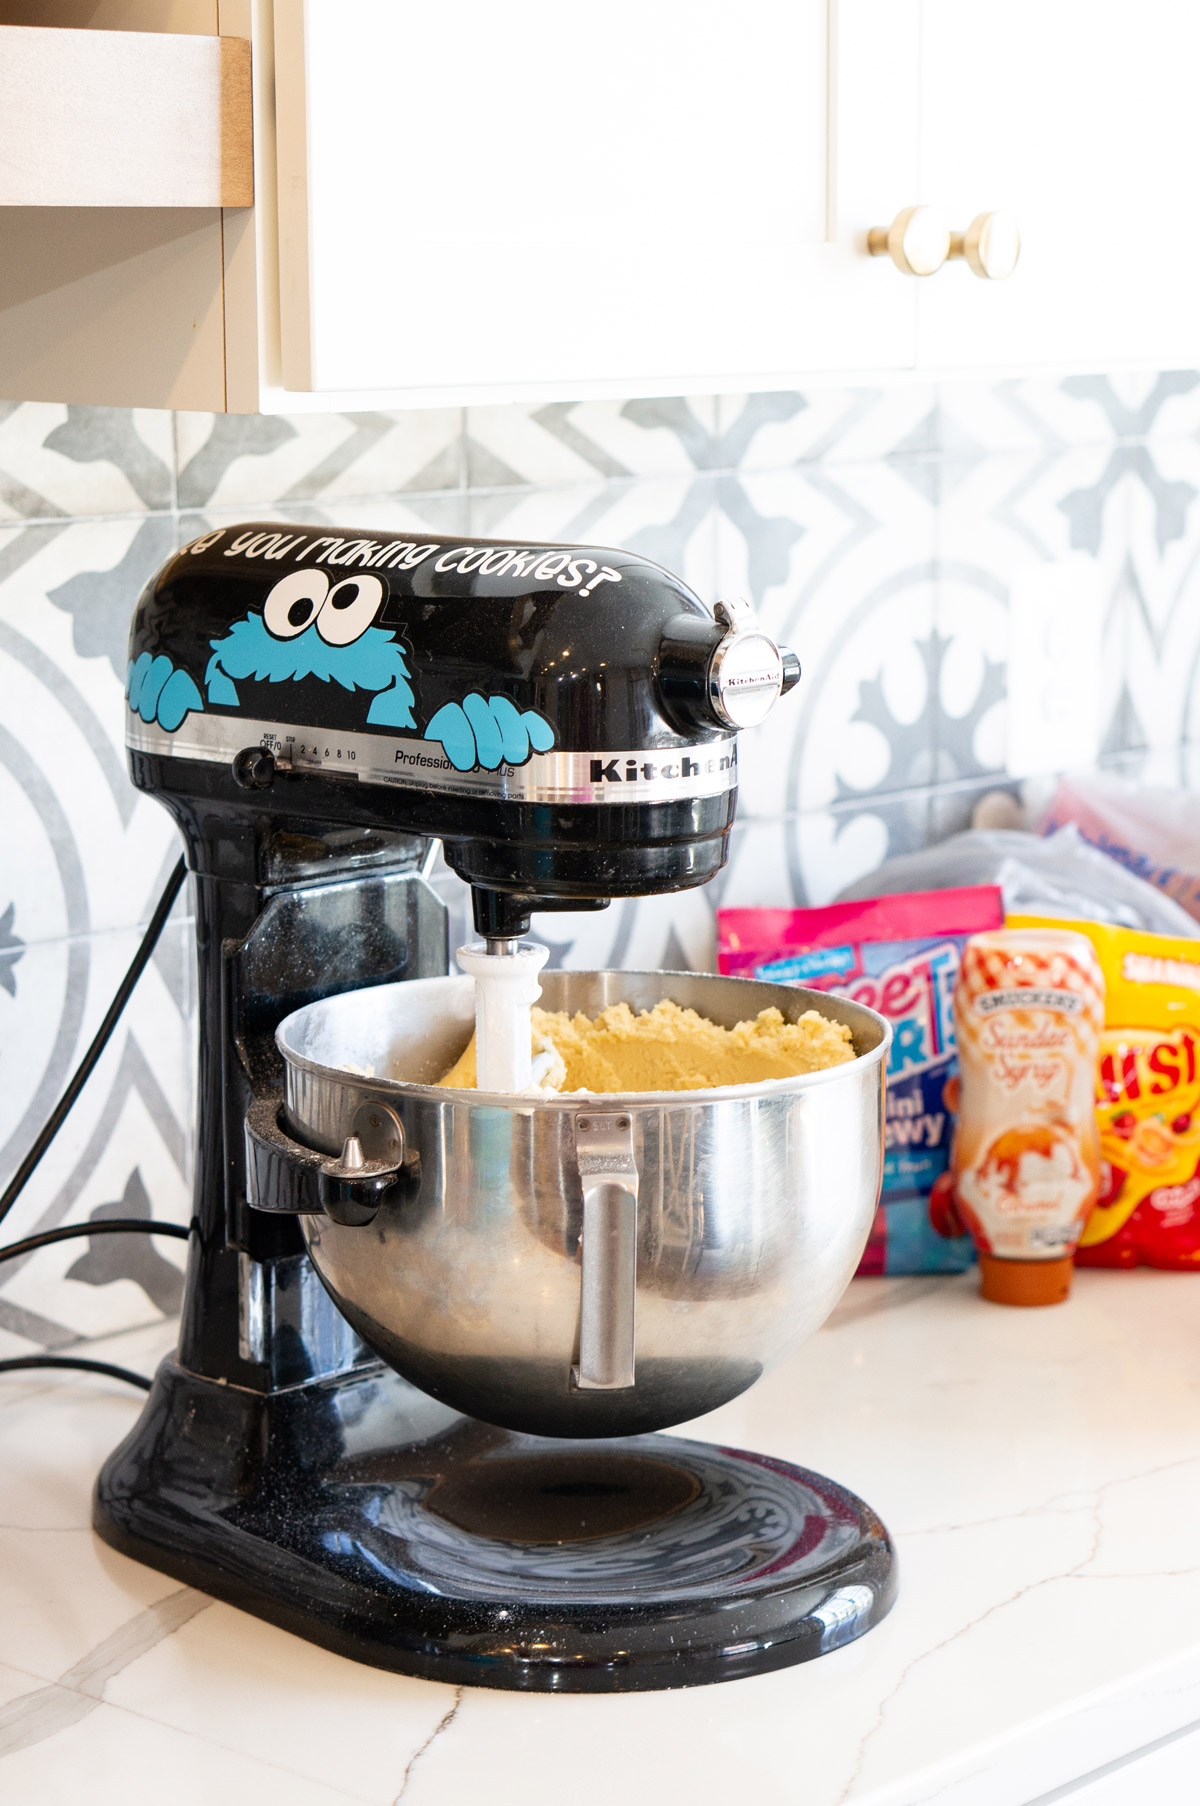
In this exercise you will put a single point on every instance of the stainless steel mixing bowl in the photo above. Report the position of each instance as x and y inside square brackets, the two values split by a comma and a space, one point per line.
[589, 1265]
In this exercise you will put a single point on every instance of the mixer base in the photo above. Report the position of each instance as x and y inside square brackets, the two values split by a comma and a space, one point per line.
[363, 1516]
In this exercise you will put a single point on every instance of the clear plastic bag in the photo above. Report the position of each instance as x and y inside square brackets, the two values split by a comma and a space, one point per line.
[1152, 831]
[1059, 874]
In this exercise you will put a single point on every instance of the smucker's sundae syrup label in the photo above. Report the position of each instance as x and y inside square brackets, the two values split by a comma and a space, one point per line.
[1028, 1015]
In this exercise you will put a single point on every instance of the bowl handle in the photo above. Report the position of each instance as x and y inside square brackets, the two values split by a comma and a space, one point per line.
[607, 1251]
[283, 1177]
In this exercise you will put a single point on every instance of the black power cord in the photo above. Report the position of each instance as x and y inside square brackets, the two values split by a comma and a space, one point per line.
[50, 1128]
[113, 1226]
[106, 1367]
[108, 1226]
[83, 1071]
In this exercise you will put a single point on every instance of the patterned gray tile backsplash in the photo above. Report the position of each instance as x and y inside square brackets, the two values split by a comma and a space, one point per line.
[61, 462]
[227, 460]
[921, 547]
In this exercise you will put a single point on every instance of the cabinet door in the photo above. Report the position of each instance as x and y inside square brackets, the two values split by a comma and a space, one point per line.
[538, 199]
[1080, 117]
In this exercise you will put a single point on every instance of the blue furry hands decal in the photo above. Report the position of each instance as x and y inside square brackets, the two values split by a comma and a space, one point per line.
[158, 691]
[488, 731]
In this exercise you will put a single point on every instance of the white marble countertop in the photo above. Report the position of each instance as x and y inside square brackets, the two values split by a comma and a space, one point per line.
[1039, 1470]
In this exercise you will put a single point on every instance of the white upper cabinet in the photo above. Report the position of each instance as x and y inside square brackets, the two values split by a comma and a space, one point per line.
[543, 200]
[1081, 118]
[475, 202]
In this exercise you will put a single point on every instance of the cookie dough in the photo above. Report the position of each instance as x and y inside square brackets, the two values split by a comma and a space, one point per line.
[671, 1049]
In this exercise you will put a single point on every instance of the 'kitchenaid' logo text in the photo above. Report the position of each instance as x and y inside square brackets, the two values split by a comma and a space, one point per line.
[645, 771]
[541, 564]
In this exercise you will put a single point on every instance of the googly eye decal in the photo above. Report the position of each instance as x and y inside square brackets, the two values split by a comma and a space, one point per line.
[295, 603]
[349, 609]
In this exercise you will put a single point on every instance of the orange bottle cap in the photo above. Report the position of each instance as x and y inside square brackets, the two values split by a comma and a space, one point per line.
[1025, 1281]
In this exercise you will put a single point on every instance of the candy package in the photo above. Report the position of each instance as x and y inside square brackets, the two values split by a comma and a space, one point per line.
[899, 955]
[1147, 1101]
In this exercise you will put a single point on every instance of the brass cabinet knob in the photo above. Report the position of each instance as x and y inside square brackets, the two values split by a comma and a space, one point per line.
[990, 245]
[917, 241]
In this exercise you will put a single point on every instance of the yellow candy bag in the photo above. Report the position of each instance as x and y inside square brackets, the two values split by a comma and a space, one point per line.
[1147, 1099]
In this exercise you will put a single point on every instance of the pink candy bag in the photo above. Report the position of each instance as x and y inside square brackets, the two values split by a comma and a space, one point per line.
[899, 955]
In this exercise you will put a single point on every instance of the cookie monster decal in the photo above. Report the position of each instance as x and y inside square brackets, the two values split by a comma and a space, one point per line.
[313, 627]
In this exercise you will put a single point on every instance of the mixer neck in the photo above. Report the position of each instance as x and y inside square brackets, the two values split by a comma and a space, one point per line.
[298, 917]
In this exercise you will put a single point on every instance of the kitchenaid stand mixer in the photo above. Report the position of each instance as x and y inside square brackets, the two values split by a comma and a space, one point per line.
[313, 709]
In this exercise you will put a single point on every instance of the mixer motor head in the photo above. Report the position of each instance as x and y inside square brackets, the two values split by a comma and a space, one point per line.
[563, 718]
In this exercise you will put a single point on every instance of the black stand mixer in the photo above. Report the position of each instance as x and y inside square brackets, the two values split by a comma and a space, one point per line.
[315, 709]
